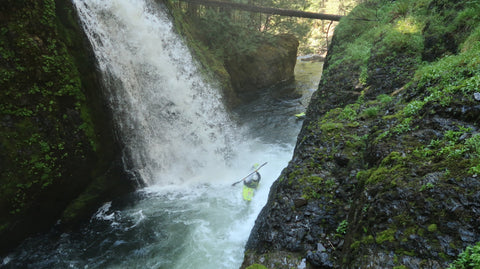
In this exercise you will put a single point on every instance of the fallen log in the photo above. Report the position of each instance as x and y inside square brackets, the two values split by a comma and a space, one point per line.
[267, 10]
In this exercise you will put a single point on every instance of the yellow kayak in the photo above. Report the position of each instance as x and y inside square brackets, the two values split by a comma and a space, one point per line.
[247, 193]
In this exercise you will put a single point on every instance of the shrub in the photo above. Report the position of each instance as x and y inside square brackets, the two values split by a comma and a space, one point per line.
[469, 258]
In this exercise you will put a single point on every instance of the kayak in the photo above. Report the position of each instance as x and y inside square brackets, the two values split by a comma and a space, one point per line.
[247, 193]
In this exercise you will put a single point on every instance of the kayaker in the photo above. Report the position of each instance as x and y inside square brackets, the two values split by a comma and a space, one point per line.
[253, 180]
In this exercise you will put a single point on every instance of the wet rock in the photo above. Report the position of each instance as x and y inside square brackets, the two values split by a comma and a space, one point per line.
[319, 259]
[270, 64]
[299, 202]
[313, 58]
[476, 96]
[341, 159]
[320, 247]
[467, 235]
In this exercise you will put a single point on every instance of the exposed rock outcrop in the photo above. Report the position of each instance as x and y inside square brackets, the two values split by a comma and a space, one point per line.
[269, 64]
[385, 170]
[235, 54]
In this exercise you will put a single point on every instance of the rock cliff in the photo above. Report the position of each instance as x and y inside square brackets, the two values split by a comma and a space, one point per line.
[386, 166]
[269, 64]
[59, 157]
[240, 59]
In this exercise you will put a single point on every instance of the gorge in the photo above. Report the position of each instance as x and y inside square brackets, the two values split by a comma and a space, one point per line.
[132, 164]
[179, 144]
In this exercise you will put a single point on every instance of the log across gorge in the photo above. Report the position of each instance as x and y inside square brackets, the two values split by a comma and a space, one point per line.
[267, 10]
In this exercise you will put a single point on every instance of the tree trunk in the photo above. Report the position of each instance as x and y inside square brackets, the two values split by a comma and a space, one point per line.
[267, 10]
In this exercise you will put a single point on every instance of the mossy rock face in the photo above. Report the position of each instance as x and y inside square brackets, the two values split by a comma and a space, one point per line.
[269, 64]
[385, 170]
[56, 132]
[240, 60]
[256, 266]
[279, 260]
[212, 65]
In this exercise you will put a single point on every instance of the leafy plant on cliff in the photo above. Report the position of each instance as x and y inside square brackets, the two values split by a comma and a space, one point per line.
[452, 76]
[342, 227]
[469, 258]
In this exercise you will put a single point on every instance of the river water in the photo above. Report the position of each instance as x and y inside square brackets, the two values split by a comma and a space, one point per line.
[182, 144]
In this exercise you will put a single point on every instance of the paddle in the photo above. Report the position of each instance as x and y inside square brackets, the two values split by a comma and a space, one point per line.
[249, 174]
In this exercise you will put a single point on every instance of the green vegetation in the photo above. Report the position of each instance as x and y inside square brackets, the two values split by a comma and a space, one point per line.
[469, 258]
[256, 266]
[395, 30]
[217, 35]
[393, 129]
[227, 32]
[402, 79]
[41, 97]
[51, 148]
[370, 32]
[342, 227]
[386, 236]
[275, 259]
[432, 228]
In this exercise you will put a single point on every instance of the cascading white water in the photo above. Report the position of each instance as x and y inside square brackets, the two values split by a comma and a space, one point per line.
[182, 145]
[176, 131]
[171, 121]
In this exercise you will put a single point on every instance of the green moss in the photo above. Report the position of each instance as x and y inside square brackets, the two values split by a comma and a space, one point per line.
[384, 99]
[48, 142]
[314, 187]
[256, 266]
[435, 48]
[403, 252]
[383, 174]
[394, 157]
[331, 126]
[274, 259]
[384, 30]
[27, 100]
[432, 228]
[91, 196]
[449, 149]
[311, 179]
[386, 236]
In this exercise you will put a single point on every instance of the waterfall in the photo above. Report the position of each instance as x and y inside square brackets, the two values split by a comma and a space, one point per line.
[171, 121]
[181, 142]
